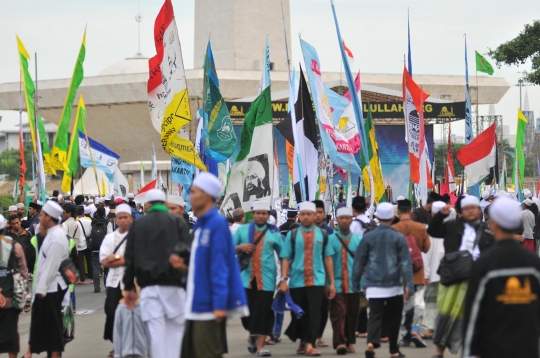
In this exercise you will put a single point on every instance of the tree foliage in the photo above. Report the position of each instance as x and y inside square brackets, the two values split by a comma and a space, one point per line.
[9, 162]
[440, 160]
[526, 46]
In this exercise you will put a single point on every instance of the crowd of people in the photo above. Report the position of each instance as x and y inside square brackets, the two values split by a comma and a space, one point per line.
[465, 275]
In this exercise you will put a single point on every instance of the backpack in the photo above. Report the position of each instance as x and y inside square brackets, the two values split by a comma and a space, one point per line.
[416, 255]
[293, 242]
[370, 226]
[111, 217]
[99, 230]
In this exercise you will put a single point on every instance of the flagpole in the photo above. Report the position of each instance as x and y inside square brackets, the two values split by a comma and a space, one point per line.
[41, 181]
[303, 194]
[92, 159]
[21, 195]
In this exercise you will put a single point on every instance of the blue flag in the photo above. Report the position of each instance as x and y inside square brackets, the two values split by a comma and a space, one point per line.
[104, 158]
[182, 173]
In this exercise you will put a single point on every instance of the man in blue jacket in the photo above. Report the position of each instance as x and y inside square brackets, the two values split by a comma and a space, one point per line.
[217, 293]
[384, 255]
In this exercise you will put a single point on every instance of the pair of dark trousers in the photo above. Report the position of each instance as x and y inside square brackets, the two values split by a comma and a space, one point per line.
[80, 259]
[306, 328]
[362, 314]
[324, 315]
[344, 317]
[112, 298]
[96, 270]
[390, 309]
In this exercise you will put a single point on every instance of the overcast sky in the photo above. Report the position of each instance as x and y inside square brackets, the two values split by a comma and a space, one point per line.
[375, 30]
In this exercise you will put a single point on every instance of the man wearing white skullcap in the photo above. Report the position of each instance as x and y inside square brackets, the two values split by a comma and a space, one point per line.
[9, 315]
[307, 276]
[527, 193]
[415, 306]
[485, 199]
[529, 221]
[150, 241]
[46, 329]
[111, 255]
[12, 209]
[502, 314]
[467, 233]
[176, 205]
[384, 260]
[344, 308]
[257, 242]
[214, 286]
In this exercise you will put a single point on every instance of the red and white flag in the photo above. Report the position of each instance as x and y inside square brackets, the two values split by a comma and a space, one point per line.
[168, 98]
[479, 155]
[413, 104]
[142, 193]
[449, 175]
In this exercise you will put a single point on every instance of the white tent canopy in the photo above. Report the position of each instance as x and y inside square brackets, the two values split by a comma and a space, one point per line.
[87, 184]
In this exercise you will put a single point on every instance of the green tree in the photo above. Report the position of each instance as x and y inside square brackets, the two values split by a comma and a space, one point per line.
[440, 160]
[526, 46]
[9, 162]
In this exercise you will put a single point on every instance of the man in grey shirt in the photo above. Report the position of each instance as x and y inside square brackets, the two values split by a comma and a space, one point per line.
[528, 221]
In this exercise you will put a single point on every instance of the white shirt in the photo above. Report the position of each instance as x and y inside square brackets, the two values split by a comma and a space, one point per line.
[467, 242]
[85, 227]
[432, 260]
[54, 250]
[110, 242]
[234, 227]
[356, 227]
[384, 292]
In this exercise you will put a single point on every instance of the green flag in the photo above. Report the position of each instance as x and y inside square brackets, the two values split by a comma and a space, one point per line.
[73, 150]
[59, 153]
[482, 65]
[29, 89]
[519, 156]
[220, 139]
[374, 162]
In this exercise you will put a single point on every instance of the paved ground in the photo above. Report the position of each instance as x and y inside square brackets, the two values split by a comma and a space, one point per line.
[90, 319]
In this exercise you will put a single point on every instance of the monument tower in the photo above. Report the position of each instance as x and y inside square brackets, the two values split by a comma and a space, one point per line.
[238, 30]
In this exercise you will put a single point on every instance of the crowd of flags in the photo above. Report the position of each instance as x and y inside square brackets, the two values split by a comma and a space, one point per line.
[322, 126]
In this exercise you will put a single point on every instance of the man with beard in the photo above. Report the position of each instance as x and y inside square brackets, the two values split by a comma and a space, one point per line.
[255, 186]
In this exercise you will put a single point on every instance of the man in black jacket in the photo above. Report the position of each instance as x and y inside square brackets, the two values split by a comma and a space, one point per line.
[150, 242]
[502, 309]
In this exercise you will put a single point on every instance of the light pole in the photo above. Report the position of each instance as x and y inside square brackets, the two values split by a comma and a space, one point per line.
[520, 84]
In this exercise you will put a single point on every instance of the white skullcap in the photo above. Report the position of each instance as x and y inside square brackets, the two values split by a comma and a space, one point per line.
[60, 197]
[256, 168]
[506, 213]
[98, 200]
[130, 196]
[107, 197]
[12, 208]
[208, 183]
[528, 202]
[485, 195]
[343, 211]
[307, 206]
[155, 195]
[90, 201]
[53, 209]
[39, 202]
[123, 208]
[470, 200]
[20, 206]
[437, 206]
[401, 197]
[124, 199]
[176, 200]
[261, 206]
[87, 210]
[385, 211]
[527, 193]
